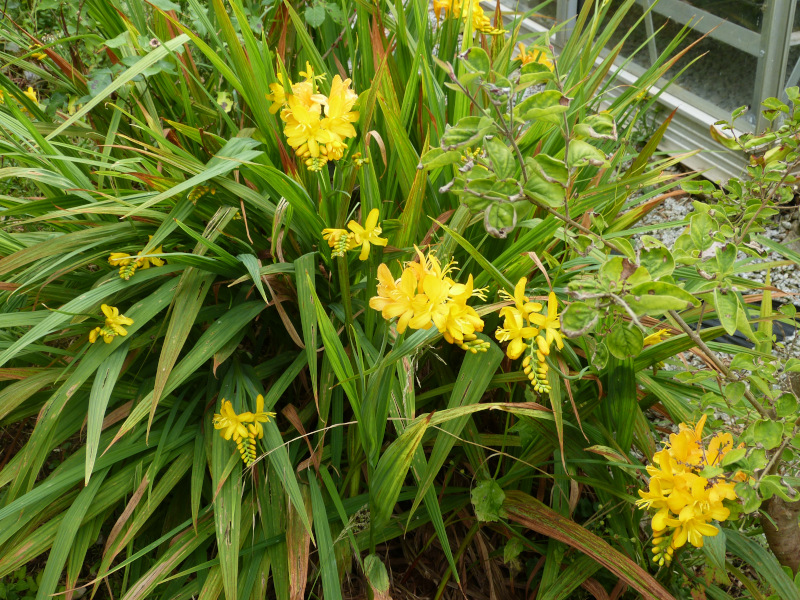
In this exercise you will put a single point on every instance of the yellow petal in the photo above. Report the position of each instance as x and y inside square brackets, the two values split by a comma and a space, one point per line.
[372, 219]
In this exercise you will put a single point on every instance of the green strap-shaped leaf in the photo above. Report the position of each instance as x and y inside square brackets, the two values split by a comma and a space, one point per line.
[329, 571]
[529, 512]
[227, 512]
[473, 379]
[392, 470]
[340, 362]
[174, 555]
[189, 297]
[103, 385]
[213, 338]
[66, 535]
[235, 153]
[279, 457]
[306, 292]
[763, 562]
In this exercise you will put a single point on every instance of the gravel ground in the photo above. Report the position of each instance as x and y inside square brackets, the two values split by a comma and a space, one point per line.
[785, 230]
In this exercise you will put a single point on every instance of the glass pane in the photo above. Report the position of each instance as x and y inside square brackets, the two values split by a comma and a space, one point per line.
[723, 77]
[544, 15]
[745, 13]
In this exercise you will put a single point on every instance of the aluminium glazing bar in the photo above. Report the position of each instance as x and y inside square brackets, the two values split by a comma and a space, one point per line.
[773, 53]
[705, 22]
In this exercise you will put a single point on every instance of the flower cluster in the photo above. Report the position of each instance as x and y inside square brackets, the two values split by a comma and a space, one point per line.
[527, 328]
[128, 264]
[426, 296]
[37, 55]
[200, 191]
[684, 501]
[244, 428]
[30, 93]
[534, 55]
[115, 325]
[342, 240]
[315, 138]
[462, 9]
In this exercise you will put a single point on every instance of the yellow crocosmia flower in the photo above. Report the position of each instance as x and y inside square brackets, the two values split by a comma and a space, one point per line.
[368, 234]
[442, 8]
[98, 332]
[340, 240]
[395, 299]
[334, 150]
[694, 517]
[653, 497]
[303, 129]
[429, 307]
[303, 91]
[686, 446]
[127, 264]
[656, 337]
[114, 325]
[521, 301]
[332, 236]
[718, 447]
[460, 293]
[461, 323]
[693, 529]
[259, 417]
[515, 331]
[31, 93]
[664, 471]
[661, 519]
[461, 9]
[278, 95]
[685, 449]
[681, 493]
[549, 324]
[722, 490]
[229, 423]
[425, 297]
[687, 502]
[152, 259]
[534, 55]
[339, 117]
[697, 430]
[309, 73]
[114, 320]
[430, 265]
[741, 476]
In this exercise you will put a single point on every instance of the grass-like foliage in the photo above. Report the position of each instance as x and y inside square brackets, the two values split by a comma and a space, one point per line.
[318, 299]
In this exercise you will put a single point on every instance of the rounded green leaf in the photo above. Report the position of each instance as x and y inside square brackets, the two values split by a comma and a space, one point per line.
[578, 319]
[768, 433]
[625, 341]
[487, 499]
